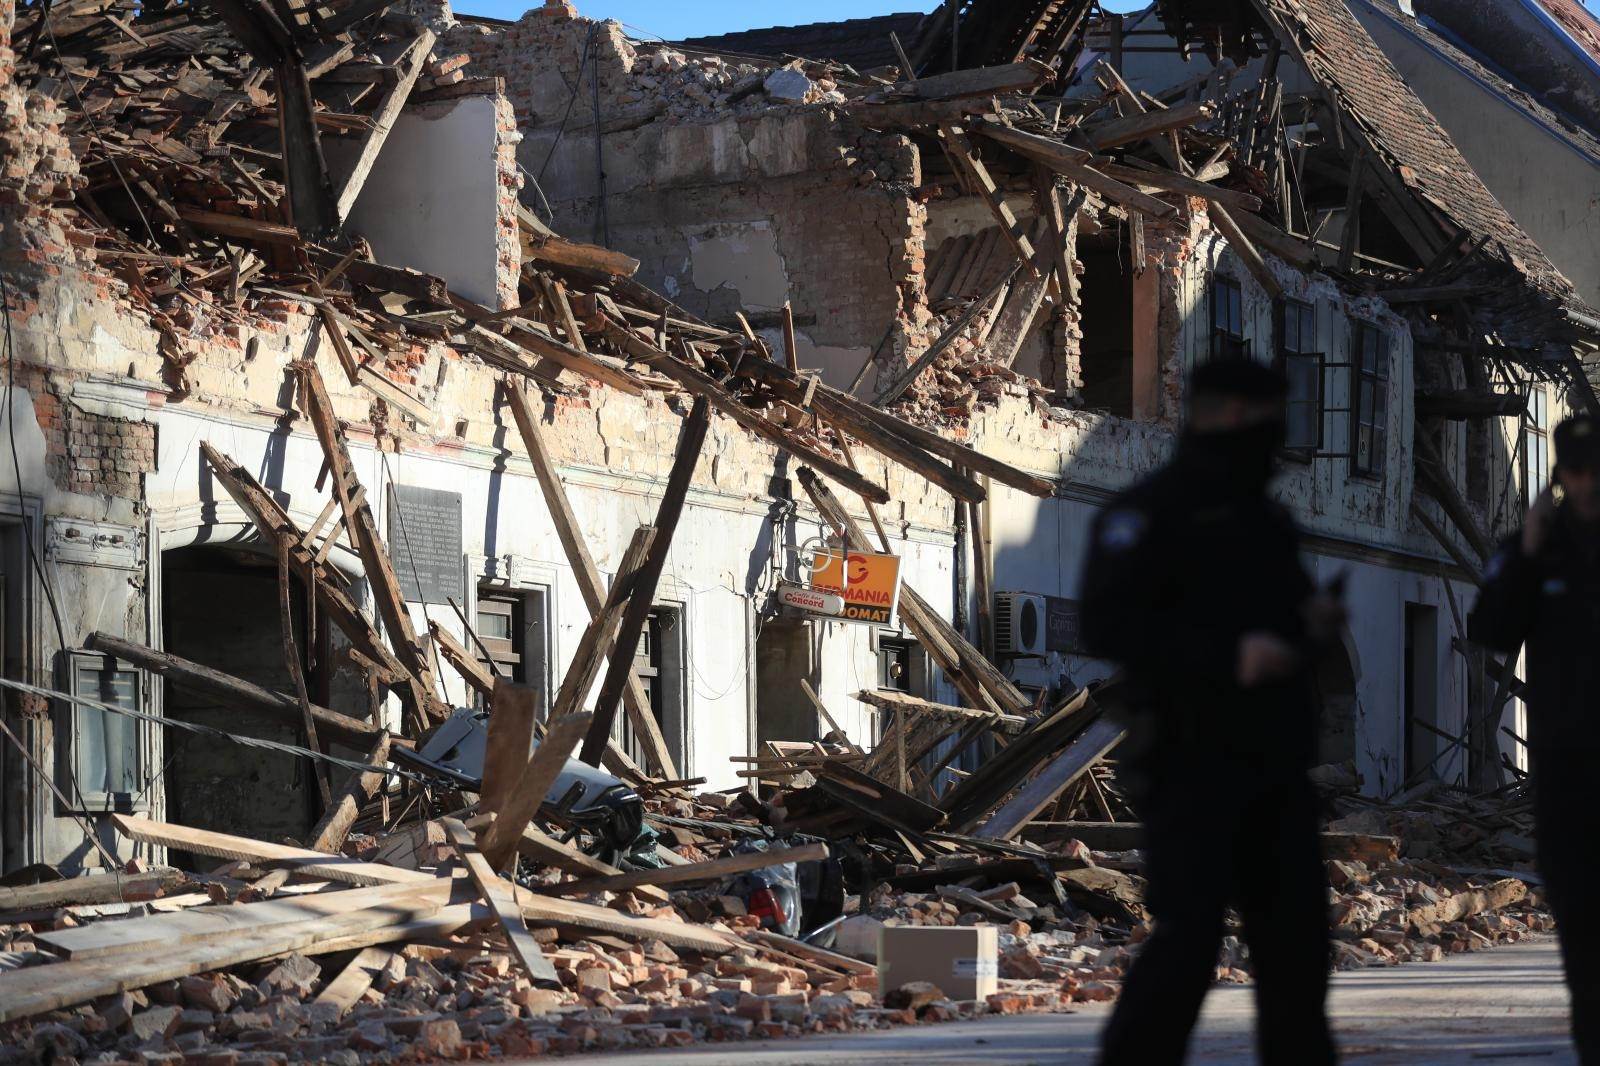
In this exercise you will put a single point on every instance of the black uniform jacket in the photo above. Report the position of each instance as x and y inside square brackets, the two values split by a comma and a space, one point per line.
[1551, 601]
[1180, 567]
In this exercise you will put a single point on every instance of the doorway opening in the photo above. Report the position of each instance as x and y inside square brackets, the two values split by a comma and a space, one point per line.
[220, 608]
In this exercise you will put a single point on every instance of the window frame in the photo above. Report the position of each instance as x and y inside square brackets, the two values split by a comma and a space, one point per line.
[1306, 313]
[1376, 421]
[531, 665]
[1226, 342]
[70, 720]
[1535, 435]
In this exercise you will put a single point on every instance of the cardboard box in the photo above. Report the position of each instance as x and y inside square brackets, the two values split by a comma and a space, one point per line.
[962, 960]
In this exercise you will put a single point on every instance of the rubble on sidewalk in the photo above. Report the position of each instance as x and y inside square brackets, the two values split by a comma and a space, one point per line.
[437, 913]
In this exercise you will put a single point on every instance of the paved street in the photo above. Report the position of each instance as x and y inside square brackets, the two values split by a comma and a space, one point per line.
[1506, 1005]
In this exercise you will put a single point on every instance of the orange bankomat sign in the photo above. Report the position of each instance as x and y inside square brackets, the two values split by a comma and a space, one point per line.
[868, 583]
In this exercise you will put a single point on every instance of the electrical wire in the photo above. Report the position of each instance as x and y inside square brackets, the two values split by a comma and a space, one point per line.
[212, 731]
[577, 85]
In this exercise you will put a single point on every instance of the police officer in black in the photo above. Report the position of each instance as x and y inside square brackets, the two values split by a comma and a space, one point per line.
[1194, 584]
[1543, 587]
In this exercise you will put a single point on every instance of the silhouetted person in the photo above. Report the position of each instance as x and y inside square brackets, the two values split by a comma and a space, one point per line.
[1543, 587]
[1194, 584]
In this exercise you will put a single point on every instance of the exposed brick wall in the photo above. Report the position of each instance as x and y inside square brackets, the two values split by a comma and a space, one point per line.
[508, 179]
[88, 453]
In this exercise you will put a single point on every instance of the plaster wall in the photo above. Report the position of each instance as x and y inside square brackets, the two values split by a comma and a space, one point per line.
[432, 199]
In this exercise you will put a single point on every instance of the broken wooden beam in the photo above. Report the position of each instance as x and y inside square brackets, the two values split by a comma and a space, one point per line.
[1137, 127]
[641, 599]
[711, 870]
[570, 533]
[330, 833]
[979, 81]
[1086, 749]
[235, 690]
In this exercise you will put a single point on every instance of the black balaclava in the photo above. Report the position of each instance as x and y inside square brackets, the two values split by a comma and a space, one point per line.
[1244, 458]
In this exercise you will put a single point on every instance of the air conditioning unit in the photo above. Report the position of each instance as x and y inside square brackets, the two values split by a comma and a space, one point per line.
[1019, 621]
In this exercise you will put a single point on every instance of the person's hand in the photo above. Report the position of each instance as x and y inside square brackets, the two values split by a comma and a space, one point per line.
[1536, 527]
[1325, 615]
[1265, 657]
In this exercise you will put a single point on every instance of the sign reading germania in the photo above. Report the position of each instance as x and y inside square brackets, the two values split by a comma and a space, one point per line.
[869, 584]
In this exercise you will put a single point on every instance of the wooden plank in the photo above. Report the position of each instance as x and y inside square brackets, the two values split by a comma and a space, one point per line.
[539, 847]
[1072, 163]
[1017, 315]
[702, 385]
[1246, 250]
[520, 340]
[822, 709]
[892, 699]
[230, 689]
[162, 932]
[1172, 181]
[641, 598]
[332, 868]
[833, 959]
[409, 62]
[849, 413]
[540, 242]
[466, 664]
[1065, 769]
[634, 700]
[274, 523]
[914, 114]
[353, 981]
[95, 888]
[329, 834]
[694, 871]
[34, 989]
[501, 903]
[963, 155]
[513, 710]
[363, 530]
[902, 380]
[499, 838]
[1138, 127]
[979, 81]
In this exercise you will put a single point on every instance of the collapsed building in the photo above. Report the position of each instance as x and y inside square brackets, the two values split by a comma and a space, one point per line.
[361, 359]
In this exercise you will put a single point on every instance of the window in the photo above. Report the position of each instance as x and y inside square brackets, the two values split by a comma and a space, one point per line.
[513, 626]
[104, 745]
[659, 665]
[1227, 318]
[1536, 444]
[1302, 365]
[1369, 409]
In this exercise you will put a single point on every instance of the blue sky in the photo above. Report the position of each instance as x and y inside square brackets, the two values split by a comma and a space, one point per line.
[698, 18]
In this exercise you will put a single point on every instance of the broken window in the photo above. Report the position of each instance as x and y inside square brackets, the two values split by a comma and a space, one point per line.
[103, 746]
[1536, 445]
[1369, 407]
[513, 627]
[1227, 319]
[1302, 365]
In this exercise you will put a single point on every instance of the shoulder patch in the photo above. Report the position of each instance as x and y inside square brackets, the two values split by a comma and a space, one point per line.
[1122, 529]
